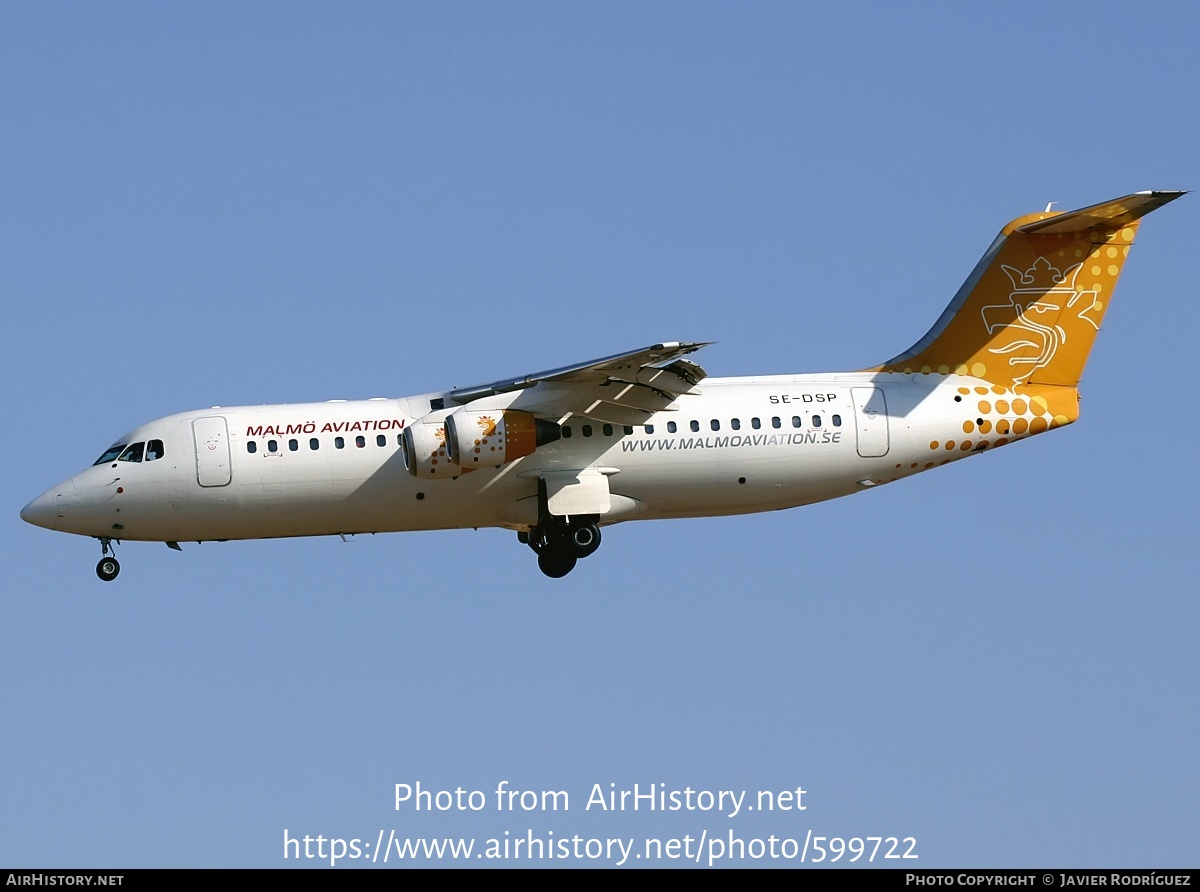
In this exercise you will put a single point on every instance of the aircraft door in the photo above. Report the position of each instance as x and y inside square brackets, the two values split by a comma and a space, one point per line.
[870, 414]
[212, 451]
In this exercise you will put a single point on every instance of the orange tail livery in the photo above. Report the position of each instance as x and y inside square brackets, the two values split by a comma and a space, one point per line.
[1026, 317]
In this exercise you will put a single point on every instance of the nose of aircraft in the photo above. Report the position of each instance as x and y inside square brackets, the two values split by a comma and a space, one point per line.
[43, 511]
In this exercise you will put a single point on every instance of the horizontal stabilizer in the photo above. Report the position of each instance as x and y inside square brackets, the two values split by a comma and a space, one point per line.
[1108, 215]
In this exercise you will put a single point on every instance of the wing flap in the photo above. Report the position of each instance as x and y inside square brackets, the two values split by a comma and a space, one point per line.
[625, 388]
[615, 413]
[594, 369]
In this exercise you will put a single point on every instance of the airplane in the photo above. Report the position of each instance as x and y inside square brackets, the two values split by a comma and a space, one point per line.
[644, 434]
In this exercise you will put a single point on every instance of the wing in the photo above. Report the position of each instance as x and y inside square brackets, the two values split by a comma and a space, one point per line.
[625, 388]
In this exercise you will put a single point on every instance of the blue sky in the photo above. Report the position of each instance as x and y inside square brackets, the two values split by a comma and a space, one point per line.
[287, 202]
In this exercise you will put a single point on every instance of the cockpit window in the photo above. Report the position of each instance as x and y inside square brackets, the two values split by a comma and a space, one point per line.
[154, 449]
[110, 454]
[133, 452]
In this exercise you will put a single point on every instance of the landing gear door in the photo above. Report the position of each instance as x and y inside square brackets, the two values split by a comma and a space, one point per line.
[571, 493]
[212, 451]
[870, 414]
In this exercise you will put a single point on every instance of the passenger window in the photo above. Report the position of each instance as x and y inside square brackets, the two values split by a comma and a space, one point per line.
[797, 421]
[672, 427]
[293, 445]
[566, 431]
[381, 440]
[816, 421]
[272, 445]
[360, 441]
[736, 424]
[715, 425]
[154, 450]
[314, 444]
[695, 426]
[775, 422]
[837, 420]
[339, 443]
[251, 447]
[608, 429]
[133, 452]
[587, 430]
[755, 423]
[649, 428]
[628, 429]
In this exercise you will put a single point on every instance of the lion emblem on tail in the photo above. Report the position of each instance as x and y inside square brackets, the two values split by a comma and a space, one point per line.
[1035, 314]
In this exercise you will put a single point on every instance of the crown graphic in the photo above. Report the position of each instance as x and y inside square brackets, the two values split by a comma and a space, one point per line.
[1042, 276]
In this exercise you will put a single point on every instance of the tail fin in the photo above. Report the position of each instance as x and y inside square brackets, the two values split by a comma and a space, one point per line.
[1029, 312]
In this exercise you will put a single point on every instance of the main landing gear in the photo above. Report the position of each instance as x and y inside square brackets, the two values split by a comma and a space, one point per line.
[561, 542]
[108, 568]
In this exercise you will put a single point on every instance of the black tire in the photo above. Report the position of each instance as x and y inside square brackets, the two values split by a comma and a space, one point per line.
[585, 540]
[108, 568]
[555, 564]
[544, 541]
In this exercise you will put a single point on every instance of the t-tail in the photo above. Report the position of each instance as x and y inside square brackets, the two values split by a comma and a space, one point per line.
[1026, 317]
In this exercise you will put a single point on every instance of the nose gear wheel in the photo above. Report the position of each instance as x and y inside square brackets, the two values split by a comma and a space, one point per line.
[108, 567]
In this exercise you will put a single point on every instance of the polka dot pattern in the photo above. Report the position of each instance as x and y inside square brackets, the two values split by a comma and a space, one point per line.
[1013, 414]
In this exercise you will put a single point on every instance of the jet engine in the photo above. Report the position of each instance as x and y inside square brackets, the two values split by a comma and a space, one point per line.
[467, 440]
[423, 448]
[490, 439]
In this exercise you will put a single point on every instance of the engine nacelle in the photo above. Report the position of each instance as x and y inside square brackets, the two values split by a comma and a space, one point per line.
[423, 448]
[490, 439]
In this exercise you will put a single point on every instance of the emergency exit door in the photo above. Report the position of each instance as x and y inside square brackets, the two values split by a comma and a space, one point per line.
[870, 415]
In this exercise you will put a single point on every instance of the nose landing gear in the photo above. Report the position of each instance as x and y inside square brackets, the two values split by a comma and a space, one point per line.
[109, 567]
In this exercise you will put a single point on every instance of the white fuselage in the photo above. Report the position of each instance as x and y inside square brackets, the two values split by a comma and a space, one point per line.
[739, 445]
